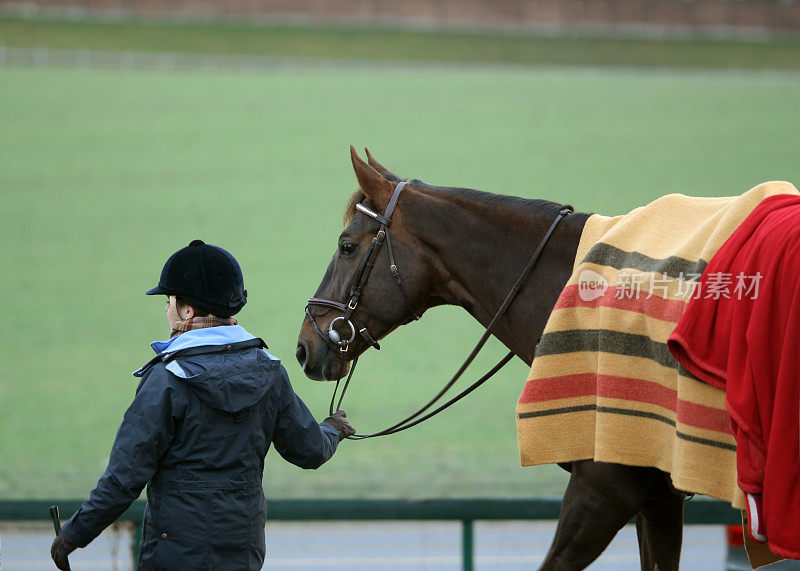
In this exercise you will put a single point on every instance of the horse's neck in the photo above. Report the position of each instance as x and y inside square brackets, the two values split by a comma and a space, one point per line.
[479, 248]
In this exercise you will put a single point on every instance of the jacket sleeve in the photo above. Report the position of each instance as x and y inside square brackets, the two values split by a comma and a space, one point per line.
[298, 437]
[146, 432]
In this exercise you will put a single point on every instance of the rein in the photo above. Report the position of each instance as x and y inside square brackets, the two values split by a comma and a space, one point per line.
[335, 340]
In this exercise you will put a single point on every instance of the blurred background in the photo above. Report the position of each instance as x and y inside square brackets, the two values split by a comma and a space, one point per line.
[130, 127]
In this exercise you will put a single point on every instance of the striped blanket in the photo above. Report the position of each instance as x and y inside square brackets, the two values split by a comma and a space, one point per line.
[603, 385]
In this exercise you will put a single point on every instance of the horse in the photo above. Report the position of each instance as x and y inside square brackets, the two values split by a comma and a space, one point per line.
[443, 240]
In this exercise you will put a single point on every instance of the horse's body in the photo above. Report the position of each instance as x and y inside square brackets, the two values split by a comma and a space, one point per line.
[466, 248]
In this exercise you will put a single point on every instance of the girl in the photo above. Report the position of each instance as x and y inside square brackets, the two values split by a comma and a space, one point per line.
[205, 413]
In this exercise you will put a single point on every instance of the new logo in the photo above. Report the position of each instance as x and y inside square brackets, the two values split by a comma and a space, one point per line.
[591, 285]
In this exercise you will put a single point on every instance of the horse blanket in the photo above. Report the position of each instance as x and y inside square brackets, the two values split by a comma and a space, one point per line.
[603, 385]
[756, 363]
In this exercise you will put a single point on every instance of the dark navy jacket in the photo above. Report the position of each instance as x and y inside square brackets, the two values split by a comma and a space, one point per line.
[203, 418]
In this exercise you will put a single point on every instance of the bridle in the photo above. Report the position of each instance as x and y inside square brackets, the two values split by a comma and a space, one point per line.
[334, 339]
[337, 342]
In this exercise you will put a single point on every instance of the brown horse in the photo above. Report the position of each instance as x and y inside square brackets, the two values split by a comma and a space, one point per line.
[464, 247]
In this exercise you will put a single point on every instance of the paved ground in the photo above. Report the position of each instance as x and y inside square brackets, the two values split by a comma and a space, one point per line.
[373, 545]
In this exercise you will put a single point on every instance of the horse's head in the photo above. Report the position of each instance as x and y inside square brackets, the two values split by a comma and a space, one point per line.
[375, 282]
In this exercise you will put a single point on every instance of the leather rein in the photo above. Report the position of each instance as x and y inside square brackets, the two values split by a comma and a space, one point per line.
[335, 340]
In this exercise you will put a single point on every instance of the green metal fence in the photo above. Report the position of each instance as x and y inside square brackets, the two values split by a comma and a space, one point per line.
[467, 511]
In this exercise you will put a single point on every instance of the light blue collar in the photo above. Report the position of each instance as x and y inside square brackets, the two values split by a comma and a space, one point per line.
[221, 335]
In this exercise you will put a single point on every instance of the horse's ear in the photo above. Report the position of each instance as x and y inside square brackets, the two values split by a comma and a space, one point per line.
[371, 181]
[387, 174]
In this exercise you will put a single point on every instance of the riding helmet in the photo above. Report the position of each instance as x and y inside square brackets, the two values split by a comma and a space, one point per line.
[206, 276]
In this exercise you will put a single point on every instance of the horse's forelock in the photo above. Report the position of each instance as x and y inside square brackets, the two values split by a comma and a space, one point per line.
[350, 209]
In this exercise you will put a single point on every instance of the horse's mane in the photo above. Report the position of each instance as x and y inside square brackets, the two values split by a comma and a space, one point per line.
[516, 202]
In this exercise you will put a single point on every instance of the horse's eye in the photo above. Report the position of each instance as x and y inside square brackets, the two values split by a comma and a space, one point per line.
[347, 248]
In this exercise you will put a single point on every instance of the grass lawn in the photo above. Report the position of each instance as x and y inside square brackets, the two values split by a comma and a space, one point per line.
[104, 173]
[284, 41]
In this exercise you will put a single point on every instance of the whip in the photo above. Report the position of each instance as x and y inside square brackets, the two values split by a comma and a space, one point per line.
[57, 524]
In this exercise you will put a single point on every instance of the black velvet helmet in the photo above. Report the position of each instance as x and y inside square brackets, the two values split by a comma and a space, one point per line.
[206, 276]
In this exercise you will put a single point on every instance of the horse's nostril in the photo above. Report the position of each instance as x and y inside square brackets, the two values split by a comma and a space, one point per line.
[300, 353]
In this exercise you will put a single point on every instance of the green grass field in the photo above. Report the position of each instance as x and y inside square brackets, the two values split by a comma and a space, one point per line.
[395, 45]
[104, 173]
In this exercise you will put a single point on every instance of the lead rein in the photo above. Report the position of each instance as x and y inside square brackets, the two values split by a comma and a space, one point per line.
[410, 421]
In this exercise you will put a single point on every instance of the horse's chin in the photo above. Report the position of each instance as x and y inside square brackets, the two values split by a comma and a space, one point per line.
[331, 370]
[335, 369]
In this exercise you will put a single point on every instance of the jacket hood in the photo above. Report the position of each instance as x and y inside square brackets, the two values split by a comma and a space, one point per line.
[228, 382]
[224, 380]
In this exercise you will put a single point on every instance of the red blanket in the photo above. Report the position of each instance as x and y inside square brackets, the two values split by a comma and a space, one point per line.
[741, 333]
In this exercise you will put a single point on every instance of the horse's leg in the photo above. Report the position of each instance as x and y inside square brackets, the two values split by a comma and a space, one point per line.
[599, 500]
[644, 552]
[659, 526]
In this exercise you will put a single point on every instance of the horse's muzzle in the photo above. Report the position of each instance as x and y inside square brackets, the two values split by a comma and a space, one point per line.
[318, 360]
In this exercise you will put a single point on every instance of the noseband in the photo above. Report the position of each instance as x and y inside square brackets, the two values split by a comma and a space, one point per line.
[333, 338]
